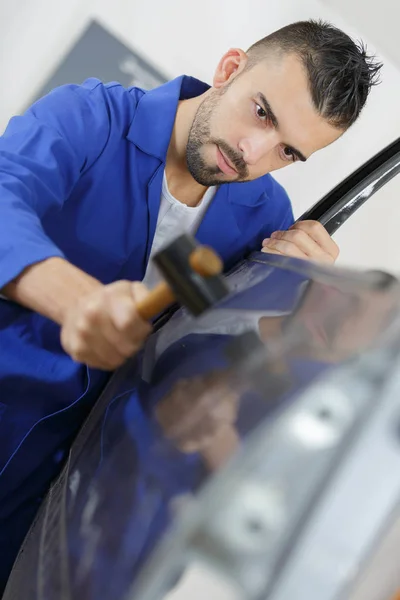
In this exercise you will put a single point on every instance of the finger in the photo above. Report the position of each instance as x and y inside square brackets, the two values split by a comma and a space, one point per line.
[267, 250]
[93, 350]
[97, 327]
[285, 247]
[305, 243]
[124, 343]
[139, 291]
[320, 235]
[120, 304]
[105, 357]
[123, 312]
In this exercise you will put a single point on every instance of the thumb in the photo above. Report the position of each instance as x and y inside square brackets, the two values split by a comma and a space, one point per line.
[139, 291]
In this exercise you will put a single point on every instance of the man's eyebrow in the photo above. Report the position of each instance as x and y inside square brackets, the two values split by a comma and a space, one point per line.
[267, 107]
[272, 117]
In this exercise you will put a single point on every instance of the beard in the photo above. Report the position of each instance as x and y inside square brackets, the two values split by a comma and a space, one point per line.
[200, 137]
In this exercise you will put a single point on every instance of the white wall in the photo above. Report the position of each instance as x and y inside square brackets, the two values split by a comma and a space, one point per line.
[380, 26]
[34, 34]
[178, 37]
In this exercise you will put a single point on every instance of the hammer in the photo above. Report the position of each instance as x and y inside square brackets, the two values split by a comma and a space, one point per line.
[192, 277]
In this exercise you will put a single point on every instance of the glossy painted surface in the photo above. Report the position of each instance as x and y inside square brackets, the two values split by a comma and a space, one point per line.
[194, 398]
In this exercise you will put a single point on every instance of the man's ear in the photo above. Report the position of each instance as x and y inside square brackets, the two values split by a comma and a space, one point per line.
[231, 64]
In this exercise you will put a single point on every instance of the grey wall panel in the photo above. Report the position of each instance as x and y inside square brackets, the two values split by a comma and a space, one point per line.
[98, 53]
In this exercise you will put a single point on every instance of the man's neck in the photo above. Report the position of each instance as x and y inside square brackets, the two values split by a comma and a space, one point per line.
[180, 182]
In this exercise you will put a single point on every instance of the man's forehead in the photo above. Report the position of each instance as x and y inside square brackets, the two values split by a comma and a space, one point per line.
[284, 79]
[277, 66]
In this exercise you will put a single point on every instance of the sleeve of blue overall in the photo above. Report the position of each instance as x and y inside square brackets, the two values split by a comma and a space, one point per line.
[42, 155]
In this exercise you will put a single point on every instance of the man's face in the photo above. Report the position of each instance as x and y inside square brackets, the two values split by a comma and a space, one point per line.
[255, 121]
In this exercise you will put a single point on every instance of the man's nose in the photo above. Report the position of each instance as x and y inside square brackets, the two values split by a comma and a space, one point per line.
[258, 145]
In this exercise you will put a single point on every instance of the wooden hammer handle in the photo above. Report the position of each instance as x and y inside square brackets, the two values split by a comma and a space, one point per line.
[156, 302]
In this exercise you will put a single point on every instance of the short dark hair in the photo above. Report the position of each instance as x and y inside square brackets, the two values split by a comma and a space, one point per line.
[340, 72]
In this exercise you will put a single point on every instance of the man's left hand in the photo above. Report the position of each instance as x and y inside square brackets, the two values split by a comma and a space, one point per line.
[308, 240]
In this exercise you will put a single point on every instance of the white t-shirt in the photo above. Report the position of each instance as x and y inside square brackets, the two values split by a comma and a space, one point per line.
[174, 218]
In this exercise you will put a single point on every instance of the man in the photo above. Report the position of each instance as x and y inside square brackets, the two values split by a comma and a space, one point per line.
[94, 178]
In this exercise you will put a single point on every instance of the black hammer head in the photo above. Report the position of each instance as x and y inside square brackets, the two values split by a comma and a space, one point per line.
[195, 291]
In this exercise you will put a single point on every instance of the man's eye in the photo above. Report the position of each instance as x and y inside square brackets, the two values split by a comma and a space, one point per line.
[289, 154]
[261, 114]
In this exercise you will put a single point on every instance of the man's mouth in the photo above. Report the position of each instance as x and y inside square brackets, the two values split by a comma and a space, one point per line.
[224, 164]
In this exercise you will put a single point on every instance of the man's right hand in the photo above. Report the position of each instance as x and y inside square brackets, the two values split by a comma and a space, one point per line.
[103, 328]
